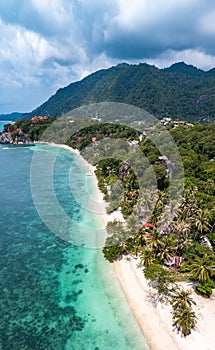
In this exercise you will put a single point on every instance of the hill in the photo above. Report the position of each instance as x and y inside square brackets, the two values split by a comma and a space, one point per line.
[11, 116]
[180, 91]
[182, 67]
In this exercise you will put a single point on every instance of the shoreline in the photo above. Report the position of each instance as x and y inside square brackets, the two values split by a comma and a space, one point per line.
[116, 215]
[155, 322]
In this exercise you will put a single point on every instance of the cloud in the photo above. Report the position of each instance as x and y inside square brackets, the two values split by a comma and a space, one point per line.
[207, 23]
[45, 45]
[194, 57]
[151, 27]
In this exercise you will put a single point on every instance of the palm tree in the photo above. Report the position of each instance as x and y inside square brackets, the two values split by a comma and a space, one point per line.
[182, 298]
[133, 223]
[184, 320]
[146, 201]
[139, 241]
[147, 257]
[158, 207]
[154, 241]
[190, 198]
[183, 241]
[181, 226]
[182, 229]
[188, 205]
[156, 214]
[202, 269]
[201, 219]
[167, 247]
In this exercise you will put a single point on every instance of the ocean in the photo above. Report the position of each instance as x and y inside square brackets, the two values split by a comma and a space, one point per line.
[55, 293]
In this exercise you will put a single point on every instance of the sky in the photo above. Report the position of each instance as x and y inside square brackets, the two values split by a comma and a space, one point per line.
[47, 44]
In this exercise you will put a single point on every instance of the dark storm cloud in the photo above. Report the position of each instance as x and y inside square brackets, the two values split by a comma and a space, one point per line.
[45, 45]
[150, 32]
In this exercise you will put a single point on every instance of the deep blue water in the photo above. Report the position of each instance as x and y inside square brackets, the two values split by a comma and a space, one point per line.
[53, 294]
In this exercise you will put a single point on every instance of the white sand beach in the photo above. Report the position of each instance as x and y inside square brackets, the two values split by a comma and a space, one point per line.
[156, 321]
[116, 215]
[70, 149]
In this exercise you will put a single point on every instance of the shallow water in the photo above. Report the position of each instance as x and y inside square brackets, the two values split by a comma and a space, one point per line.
[54, 294]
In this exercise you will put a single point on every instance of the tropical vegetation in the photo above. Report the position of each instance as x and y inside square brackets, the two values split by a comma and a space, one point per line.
[180, 91]
[189, 238]
[169, 251]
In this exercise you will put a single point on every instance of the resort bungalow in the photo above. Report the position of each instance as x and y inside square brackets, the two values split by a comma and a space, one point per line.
[38, 119]
[175, 261]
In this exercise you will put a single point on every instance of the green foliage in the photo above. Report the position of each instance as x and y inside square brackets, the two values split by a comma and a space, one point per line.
[147, 257]
[161, 176]
[205, 288]
[161, 279]
[113, 252]
[8, 127]
[184, 320]
[197, 149]
[30, 130]
[100, 131]
[124, 186]
[190, 252]
[181, 298]
[202, 269]
[159, 91]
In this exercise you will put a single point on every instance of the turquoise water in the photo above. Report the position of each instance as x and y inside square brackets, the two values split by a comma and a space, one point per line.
[54, 294]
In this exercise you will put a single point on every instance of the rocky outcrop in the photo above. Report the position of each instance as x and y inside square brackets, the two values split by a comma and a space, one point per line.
[6, 138]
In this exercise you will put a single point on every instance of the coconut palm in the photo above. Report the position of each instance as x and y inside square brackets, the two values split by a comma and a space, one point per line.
[156, 214]
[201, 219]
[183, 241]
[147, 257]
[139, 241]
[184, 320]
[158, 207]
[202, 269]
[146, 201]
[154, 241]
[162, 196]
[180, 227]
[167, 247]
[133, 223]
[182, 298]
[188, 205]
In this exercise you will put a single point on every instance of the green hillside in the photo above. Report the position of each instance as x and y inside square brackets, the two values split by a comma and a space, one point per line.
[180, 91]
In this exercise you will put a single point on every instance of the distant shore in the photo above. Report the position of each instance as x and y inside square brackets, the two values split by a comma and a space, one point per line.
[156, 321]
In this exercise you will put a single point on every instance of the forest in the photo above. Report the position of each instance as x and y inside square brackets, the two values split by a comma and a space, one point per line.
[181, 249]
[180, 91]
